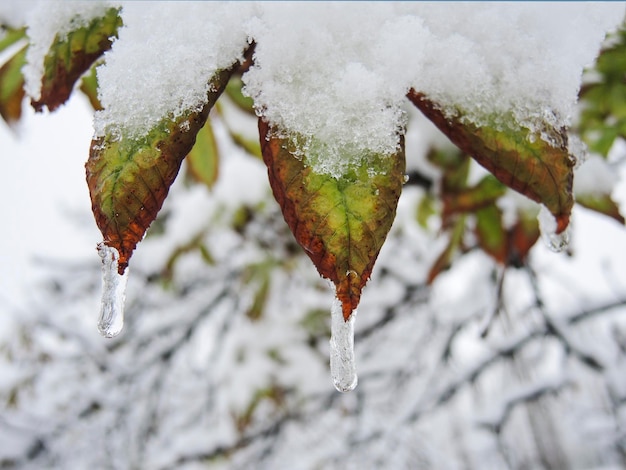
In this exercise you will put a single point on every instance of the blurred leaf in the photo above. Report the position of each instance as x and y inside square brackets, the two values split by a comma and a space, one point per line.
[444, 260]
[491, 235]
[340, 222]
[601, 203]
[522, 237]
[524, 162]
[251, 146]
[233, 90]
[603, 98]
[485, 193]
[425, 209]
[89, 87]
[71, 55]
[129, 179]
[12, 87]
[203, 160]
[10, 37]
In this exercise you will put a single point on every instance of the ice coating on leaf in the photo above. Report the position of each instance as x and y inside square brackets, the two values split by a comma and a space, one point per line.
[557, 242]
[111, 319]
[47, 19]
[342, 364]
[348, 91]
[149, 75]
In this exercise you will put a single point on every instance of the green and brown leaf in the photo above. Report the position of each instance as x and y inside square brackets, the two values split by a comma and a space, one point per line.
[341, 223]
[12, 87]
[539, 170]
[129, 179]
[71, 55]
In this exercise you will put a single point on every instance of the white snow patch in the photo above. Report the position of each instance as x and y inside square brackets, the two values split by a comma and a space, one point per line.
[163, 60]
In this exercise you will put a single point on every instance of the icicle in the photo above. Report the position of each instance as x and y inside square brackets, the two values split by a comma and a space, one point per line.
[557, 242]
[111, 319]
[342, 365]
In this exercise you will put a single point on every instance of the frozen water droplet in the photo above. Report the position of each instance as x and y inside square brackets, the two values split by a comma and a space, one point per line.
[405, 179]
[557, 242]
[342, 364]
[111, 319]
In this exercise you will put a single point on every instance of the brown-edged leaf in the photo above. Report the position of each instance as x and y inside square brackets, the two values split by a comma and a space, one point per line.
[12, 87]
[71, 55]
[341, 223]
[526, 163]
[129, 179]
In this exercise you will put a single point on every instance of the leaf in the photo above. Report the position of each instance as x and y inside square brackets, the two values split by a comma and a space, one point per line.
[341, 223]
[484, 194]
[10, 37]
[601, 203]
[71, 55]
[203, 160]
[539, 170]
[522, 237]
[12, 87]
[444, 260]
[129, 179]
[491, 235]
[89, 87]
[233, 90]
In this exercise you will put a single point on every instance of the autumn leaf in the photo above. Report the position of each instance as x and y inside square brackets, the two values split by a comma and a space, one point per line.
[129, 179]
[12, 87]
[341, 223]
[539, 170]
[71, 55]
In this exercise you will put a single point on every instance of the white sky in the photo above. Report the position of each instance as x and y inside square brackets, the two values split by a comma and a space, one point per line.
[43, 181]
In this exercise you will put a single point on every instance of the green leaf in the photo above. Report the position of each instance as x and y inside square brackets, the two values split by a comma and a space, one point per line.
[12, 87]
[129, 179]
[89, 87]
[341, 223]
[491, 235]
[10, 37]
[203, 160]
[71, 55]
[233, 90]
[524, 162]
[603, 98]
[602, 203]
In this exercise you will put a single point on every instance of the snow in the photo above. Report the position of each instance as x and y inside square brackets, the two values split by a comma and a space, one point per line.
[342, 363]
[46, 20]
[150, 75]
[324, 75]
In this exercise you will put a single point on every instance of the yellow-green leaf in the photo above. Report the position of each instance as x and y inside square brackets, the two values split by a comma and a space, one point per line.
[341, 223]
[71, 55]
[89, 87]
[524, 162]
[12, 87]
[203, 160]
